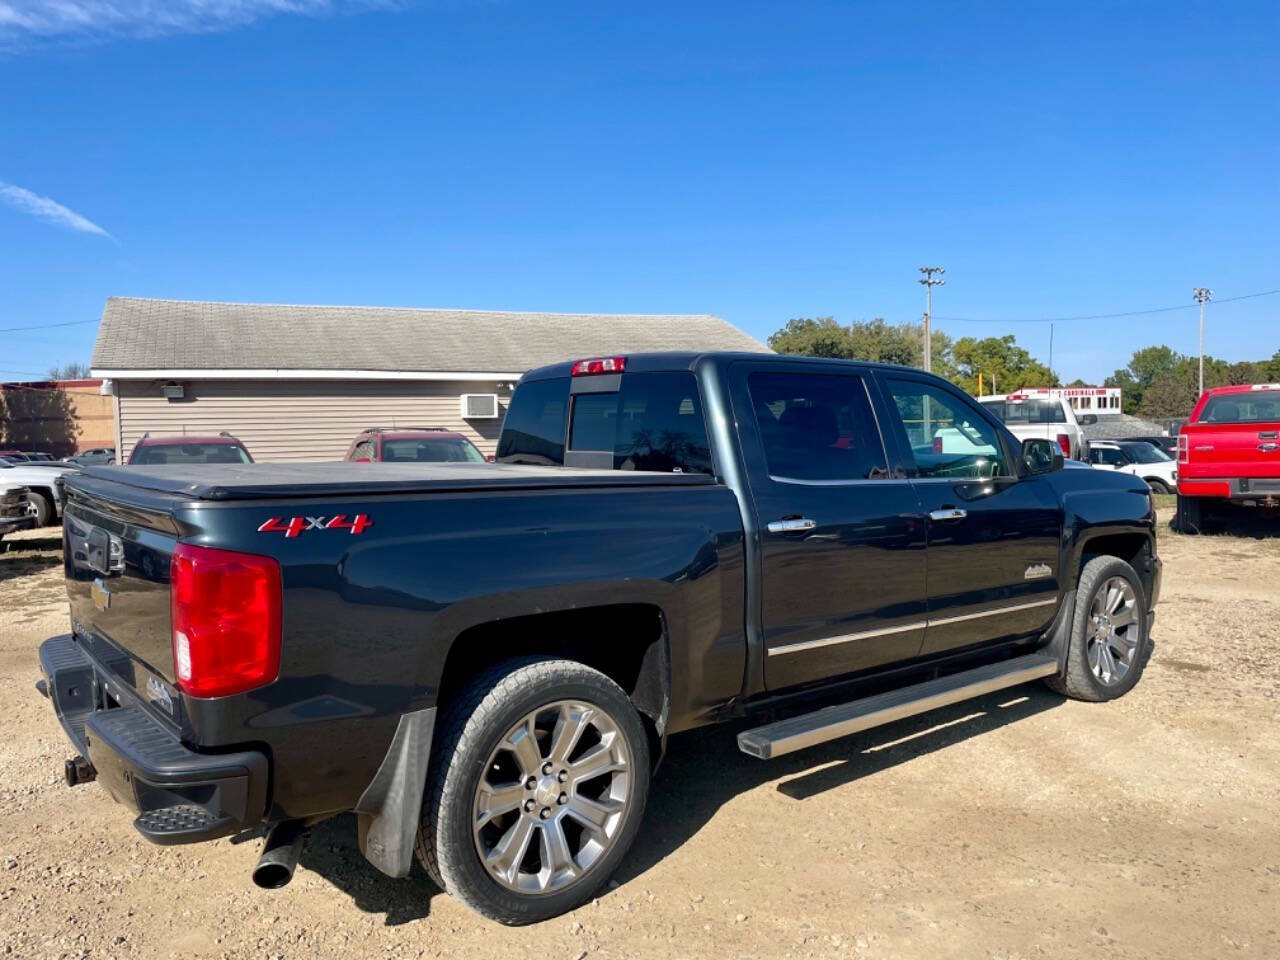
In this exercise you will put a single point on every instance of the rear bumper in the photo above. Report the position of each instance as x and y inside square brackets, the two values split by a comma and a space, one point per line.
[14, 524]
[179, 795]
[1230, 488]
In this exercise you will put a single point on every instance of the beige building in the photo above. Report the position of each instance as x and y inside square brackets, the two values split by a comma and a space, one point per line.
[299, 382]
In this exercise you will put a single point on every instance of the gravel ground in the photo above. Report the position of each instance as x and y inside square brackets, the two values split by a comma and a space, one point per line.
[1015, 826]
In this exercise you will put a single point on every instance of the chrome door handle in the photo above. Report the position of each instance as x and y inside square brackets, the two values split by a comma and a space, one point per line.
[951, 513]
[796, 525]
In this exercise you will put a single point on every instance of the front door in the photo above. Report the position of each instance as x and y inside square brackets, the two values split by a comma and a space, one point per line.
[993, 537]
[841, 543]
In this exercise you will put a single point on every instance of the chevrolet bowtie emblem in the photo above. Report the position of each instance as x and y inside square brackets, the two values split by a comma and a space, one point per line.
[101, 595]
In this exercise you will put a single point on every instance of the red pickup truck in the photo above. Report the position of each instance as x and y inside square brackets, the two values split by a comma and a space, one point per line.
[1229, 452]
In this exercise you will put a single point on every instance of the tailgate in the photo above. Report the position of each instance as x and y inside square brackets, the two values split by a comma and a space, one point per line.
[116, 561]
[1232, 450]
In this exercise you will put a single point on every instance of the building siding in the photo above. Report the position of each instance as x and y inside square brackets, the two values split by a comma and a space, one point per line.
[296, 420]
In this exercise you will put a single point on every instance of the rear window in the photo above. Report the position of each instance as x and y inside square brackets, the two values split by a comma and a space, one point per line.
[191, 453]
[1014, 412]
[431, 450]
[654, 422]
[533, 431]
[1241, 408]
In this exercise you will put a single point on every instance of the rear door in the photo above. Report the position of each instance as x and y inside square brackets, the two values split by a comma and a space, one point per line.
[993, 539]
[841, 540]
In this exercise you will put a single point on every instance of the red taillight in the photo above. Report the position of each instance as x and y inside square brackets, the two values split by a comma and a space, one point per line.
[1184, 449]
[1064, 444]
[937, 444]
[225, 610]
[590, 368]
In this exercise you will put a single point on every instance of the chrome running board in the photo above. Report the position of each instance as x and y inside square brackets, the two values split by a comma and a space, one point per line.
[842, 719]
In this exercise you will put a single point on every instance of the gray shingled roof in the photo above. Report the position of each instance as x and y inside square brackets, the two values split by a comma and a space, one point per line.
[137, 334]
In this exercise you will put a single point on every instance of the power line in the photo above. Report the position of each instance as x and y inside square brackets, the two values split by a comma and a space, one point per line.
[1108, 316]
[45, 326]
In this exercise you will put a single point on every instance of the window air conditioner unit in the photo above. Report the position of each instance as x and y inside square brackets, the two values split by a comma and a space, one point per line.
[480, 406]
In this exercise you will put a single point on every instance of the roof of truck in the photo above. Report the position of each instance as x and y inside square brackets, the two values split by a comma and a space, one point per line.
[643, 362]
[1242, 388]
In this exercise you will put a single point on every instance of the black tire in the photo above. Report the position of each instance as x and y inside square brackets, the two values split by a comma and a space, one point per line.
[1190, 515]
[1079, 681]
[469, 731]
[40, 507]
[1158, 486]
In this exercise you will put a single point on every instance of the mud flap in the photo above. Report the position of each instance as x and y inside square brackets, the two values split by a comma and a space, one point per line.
[1059, 632]
[389, 809]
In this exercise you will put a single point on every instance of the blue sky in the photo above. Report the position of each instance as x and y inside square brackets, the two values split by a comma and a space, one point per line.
[759, 161]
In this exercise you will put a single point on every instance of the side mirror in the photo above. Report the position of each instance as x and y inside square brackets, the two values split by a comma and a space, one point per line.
[1041, 456]
[1087, 420]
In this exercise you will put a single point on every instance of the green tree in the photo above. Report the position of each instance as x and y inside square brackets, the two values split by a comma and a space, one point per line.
[1002, 359]
[1271, 369]
[873, 340]
[1130, 392]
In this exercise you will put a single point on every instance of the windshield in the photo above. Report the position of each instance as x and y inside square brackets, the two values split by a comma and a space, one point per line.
[1241, 408]
[432, 450]
[191, 453]
[1145, 453]
[1027, 411]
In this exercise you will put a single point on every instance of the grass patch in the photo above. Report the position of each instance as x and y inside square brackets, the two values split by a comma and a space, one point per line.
[1166, 500]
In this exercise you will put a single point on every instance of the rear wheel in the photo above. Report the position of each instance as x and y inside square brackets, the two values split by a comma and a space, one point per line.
[1190, 514]
[536, 790]
[1109, 641]
[1157, 485]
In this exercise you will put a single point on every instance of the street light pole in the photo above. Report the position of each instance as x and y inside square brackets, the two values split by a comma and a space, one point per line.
[929, 281]
[1202, 295]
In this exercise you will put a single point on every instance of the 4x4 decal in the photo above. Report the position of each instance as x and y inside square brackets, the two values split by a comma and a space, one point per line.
[297, 525]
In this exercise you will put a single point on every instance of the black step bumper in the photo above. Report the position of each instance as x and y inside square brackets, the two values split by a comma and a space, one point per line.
[179, 794]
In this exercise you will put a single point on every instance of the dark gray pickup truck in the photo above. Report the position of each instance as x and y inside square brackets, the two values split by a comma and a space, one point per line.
[484, 662]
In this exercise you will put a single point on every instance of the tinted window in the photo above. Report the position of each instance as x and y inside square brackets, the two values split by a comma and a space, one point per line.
[1242, 408]
[533, 431]
[947, 437]
[654, 422]
[191, 453]
[1145, 453]
[1027, 411]
[431, 450]
[817, 426]
[1108, 457]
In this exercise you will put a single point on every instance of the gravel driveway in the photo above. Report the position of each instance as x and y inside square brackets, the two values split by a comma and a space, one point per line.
[1018, 825]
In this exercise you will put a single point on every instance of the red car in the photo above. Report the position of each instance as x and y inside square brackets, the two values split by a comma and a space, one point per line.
[224, 448]
[413, 444]
[1229, 452]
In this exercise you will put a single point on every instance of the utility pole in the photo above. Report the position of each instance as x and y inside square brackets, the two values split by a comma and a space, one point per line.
[929, 281]
[1051, 352]
[1202, 295]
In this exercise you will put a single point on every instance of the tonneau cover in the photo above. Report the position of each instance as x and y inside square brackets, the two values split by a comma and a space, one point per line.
[255, 481]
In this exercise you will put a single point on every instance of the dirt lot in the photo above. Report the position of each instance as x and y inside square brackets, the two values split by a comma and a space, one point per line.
[1015, 826]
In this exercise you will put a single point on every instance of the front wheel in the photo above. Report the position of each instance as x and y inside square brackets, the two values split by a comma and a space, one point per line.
[38, 506]
[1109, 642]
[1157, 486]
[536, 789]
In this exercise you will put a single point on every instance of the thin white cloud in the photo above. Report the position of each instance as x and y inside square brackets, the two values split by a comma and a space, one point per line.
[36, 19]
[49, 210]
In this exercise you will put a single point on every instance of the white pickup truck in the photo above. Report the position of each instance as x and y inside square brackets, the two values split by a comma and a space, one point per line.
[14, 514]
[1028, 415]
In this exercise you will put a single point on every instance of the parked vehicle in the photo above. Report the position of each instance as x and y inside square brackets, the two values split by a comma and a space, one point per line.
[1167, 444]
[413, 444]
[14, 456]
[485, 662]
[1138, 457]
[1229, 453]
[96, 455]
[1027, 415]
[44, 498]
[224, 448]
[14, 514]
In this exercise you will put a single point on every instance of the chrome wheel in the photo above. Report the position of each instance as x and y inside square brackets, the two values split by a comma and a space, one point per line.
[1115, 631]
[551, 800]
